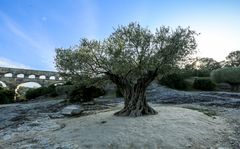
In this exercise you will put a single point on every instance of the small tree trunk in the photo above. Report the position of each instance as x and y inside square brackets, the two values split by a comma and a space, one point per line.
[135, 103]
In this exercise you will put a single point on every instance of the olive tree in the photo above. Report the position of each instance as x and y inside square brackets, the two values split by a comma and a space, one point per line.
[131, 57]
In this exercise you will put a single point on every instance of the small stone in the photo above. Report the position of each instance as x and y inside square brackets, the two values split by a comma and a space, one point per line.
[72, 110]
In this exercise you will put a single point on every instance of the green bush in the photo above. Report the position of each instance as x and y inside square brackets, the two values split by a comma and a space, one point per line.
[52, 91]
[6, 96]
[64, 89]
[226, 75]
[85, 94]
[42, 91]
[204, 84]
[175, 81]
[202, 73]
[195, 73]
[230, 75]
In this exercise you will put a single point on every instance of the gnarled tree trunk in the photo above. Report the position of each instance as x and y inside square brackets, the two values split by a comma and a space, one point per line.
[135, 103]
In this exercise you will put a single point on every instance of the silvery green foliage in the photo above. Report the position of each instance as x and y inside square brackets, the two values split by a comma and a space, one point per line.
[229, 75]
[130, 52]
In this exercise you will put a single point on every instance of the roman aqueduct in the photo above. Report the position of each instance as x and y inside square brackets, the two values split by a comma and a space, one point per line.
[12, 77]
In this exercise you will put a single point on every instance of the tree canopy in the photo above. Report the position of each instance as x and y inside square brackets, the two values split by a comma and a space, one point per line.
[131, 57]
[130, 51]
[233, 59]
[204, 63]
[210, 64]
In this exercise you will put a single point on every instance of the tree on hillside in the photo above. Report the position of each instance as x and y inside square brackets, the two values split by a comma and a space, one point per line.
[233, 59]
[131, 57]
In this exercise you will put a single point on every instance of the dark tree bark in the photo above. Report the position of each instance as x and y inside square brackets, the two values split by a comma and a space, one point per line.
[135, 103]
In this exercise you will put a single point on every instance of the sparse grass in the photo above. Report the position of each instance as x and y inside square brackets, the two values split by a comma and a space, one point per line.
[205, 111]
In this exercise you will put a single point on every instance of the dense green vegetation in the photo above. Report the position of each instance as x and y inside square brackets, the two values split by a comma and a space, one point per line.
[84, 93]
[42, 91]
[204, 84]
[201, 69]
[75, 93]
[230, 75]
[175, 81]
[6, 96]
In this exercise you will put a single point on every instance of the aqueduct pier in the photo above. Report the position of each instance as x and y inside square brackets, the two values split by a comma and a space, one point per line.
[12, 77]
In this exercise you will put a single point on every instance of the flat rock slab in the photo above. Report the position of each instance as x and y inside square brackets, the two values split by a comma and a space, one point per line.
[173, 127]
[72, 110]
[15, 114]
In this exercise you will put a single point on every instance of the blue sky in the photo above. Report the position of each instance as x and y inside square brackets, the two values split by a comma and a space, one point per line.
[30, 30]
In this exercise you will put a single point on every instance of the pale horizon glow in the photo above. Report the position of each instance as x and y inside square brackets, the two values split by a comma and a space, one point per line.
[218, 43]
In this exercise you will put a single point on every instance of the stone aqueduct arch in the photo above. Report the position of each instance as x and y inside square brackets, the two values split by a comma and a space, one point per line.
[12, 77]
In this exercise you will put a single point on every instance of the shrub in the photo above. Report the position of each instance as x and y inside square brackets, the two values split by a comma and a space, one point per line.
[230, 75]
[64, 89]
[204, 84]
[51, 91]
[47, 91]
[33, 93]
[175, 81]
[6, 96]
[85, 94]
[202, 73]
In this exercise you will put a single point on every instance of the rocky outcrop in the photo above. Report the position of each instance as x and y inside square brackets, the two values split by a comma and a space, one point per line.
[160, 94]
[13, 115]
[72, 110]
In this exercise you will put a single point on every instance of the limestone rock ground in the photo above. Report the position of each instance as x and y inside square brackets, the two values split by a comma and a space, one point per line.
[185, 120]
[173, 127]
